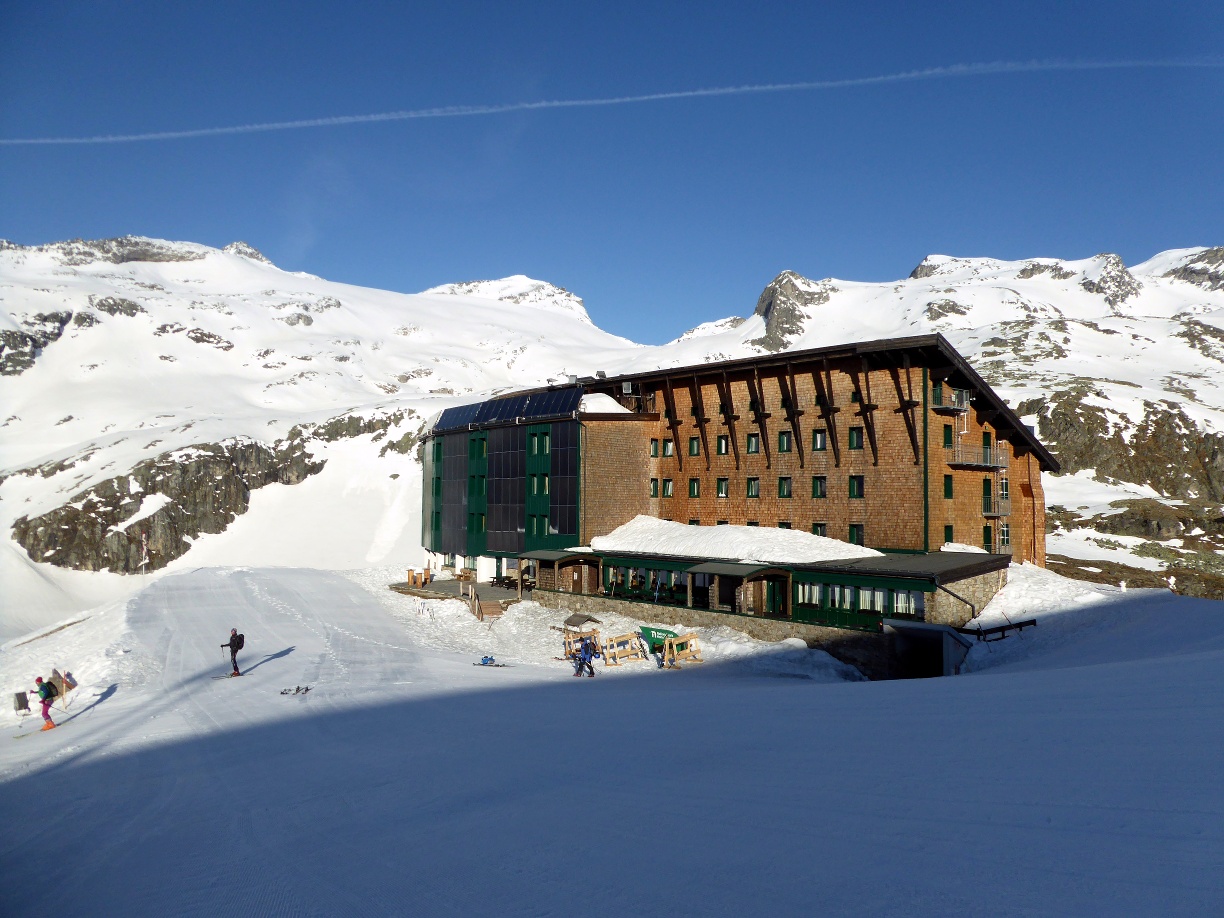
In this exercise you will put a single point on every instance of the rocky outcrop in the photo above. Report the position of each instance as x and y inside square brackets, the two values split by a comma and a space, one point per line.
[784, 304]
[1055, 270]
[246, 251]
[1206, 270]
[1112, 281]
[116, 306]
[173, 498]
[19, 349]
[122, 250]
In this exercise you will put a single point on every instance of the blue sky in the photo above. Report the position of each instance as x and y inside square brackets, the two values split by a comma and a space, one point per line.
[661, 215]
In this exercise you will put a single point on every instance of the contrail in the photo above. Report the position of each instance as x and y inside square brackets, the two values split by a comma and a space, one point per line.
[468, 111]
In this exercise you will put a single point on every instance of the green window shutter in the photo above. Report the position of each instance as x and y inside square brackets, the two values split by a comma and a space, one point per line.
[948, 534]
[947, 487]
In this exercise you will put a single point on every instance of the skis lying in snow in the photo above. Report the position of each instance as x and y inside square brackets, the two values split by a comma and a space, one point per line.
[492, 665]
[297, 690]
[227, 676]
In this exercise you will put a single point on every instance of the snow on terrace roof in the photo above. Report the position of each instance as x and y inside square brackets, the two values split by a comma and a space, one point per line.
[645, 535]
[599, 403]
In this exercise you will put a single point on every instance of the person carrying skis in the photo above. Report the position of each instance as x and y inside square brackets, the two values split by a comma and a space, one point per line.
[586, 651]
[46, 694]
[235, 644]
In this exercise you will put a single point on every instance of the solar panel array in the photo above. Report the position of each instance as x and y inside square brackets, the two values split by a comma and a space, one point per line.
[537, 406]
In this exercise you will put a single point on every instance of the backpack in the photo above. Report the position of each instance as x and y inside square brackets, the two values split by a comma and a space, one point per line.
[241, 641]
[49, 691]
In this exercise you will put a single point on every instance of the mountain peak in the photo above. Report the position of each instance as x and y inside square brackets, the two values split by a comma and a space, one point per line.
[517, 288]
[246, 251]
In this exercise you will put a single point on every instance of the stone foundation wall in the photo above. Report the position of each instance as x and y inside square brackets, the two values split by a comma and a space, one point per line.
[943, 609]
[871, 654]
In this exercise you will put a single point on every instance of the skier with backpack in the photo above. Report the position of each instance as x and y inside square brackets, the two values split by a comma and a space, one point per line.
[587, 650]
[235, 644]
[47, 693]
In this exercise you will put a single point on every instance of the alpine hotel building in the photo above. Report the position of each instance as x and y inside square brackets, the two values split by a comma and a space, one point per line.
[895, 444]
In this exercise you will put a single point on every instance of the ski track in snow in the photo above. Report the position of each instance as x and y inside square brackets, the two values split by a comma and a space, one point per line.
[1075, 772]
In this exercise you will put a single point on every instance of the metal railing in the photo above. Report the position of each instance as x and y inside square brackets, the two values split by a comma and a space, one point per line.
[996, 506]
[984, 457]
[952, 399]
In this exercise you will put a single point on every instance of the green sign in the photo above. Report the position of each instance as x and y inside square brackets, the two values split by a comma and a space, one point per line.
[655, 637]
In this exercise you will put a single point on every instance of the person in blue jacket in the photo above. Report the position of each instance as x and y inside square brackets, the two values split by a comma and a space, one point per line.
[586, 653]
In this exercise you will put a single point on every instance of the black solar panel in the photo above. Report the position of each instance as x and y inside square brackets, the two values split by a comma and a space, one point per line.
[555, 403]
[457, 418]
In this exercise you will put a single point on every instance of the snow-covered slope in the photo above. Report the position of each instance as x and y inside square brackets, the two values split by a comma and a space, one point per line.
[207, 400]
[1074, 773]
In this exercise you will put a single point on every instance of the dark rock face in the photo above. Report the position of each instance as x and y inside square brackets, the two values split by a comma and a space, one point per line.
[207, 486]
[783, 304]
[1115, 284]
[1206, 270]
[926, 268]
[19, 349]
[199, 336]
[1033, 268]
[938, 309]
[119, 251]
[116, 306]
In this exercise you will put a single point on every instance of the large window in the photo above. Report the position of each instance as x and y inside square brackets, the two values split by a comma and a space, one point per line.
[820, 441]
[753, 443]
[857, 486]
[724, 444]
[694, 446]
[819, 486]
[784, 441]
[754, 487]
[873, 600]
[694, 487]
[908, 603]
[784, 487]
[723, 487]
[856, 437]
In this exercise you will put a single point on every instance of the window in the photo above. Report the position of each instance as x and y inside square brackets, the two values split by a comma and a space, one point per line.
[437, 450]
[947, 487]
[856, 397]
[654, 447]
[856, 534]
[842, 597]
[694, 522]
[754, 487]
[784, 524]
[908, 602]
[820, 441]
[937, 393]
[988, 538]
[856, 437]
[753, 443]
[694, 446]
[819, 486]
[669, 448]
[724, 444]
[723, 523]
[723, 487]
[535, 484]
[784, 441]
[1004, 489]
[531, 524]
[856, 486]
[1005, 535]
[784, 487]
[480, 523]
[667, 487]
[654, 487]
[947, 436]
[948, 534]
[545, 442]
[543, 484]
[820, 528]
[873, 600]
[534, 441]
[752, 523]
[807, 594]
[694, 487]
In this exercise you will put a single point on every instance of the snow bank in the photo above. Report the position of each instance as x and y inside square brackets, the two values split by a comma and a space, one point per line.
[599, 403]
[647, 535]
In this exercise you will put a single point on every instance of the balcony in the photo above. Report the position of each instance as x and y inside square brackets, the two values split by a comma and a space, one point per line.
[996, 506]
[978, 457]
[1000, 547]
[951, 401]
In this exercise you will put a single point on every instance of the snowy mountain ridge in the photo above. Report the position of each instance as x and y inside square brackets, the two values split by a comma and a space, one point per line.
[303, 398]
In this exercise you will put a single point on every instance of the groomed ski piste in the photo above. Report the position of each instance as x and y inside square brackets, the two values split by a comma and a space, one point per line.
[1073, 770]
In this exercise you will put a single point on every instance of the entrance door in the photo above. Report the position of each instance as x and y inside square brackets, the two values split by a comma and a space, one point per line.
[775, 599]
